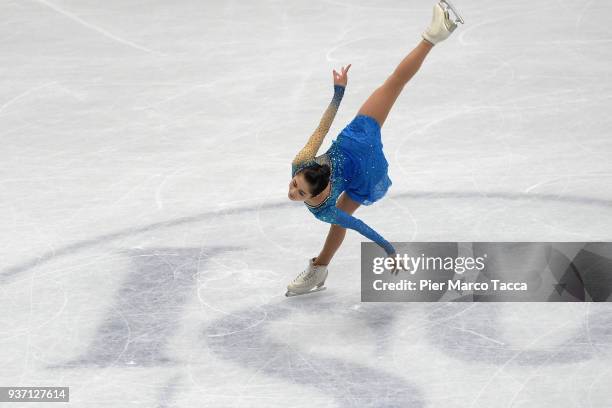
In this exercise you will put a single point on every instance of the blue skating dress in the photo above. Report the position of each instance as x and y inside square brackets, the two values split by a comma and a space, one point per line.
[358, 167]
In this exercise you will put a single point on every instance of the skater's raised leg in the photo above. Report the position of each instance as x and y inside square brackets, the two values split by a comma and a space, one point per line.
[382, 99]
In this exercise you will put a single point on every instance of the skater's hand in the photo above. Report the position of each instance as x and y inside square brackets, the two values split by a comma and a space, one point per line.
[341, 78]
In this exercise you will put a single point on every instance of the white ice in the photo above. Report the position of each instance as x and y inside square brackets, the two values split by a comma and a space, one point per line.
[146, 235]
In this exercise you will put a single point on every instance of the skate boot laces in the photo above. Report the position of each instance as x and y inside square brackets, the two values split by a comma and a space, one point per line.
[304, 276]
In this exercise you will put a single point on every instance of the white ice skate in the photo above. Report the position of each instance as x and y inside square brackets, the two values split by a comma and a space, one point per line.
[441, 24]
[310, 280]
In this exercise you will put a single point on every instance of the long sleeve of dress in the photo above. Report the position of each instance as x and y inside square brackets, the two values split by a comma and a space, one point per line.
[309, 151]
[342, 218]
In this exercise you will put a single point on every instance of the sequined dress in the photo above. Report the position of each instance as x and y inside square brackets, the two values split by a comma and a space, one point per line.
[358, 167]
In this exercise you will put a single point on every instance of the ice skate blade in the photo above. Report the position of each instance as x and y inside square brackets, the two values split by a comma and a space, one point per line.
[458, 17]
[291, 294]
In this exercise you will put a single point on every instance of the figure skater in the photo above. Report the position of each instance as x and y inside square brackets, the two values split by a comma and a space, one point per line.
[354, 169]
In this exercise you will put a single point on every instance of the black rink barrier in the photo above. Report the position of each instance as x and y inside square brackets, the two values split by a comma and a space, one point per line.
[487, 272]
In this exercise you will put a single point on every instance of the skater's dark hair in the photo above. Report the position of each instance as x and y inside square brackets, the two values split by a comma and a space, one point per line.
[317, 176]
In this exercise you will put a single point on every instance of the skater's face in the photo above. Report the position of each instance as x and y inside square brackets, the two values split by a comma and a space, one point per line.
[299, 190]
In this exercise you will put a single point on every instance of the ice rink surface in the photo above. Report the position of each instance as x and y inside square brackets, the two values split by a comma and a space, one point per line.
[146, 235]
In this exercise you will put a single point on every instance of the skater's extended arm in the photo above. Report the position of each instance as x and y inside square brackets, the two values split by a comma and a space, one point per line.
[309, 151]
[337, 216]
[316, 139]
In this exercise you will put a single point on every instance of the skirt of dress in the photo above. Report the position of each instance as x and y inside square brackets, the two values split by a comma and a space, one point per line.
[366, 167]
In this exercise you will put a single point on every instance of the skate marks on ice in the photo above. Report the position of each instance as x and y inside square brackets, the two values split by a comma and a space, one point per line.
[97, 29]
[584, 337]
[74, 248]
[499, 335]
[243, 339]
[147, 309]
[534, 337]
[579, 333]
[37, 260]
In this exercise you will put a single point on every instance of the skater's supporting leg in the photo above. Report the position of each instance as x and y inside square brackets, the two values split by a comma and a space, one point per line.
[382, 99]
[336, 233]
